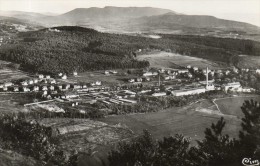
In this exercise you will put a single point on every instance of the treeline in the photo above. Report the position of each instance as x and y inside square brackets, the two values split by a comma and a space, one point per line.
[64, 49]
[216, 149]
[242, 46]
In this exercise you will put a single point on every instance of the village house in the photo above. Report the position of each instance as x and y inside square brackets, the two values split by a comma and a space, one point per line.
[52, 81]
[1, 85]
[257, 71]
[195, 68]
[47, 76]
[188, 67]
[16, 89]
[75, 73]
[106, 72]
[64, 77]
[24, 83]
[146, 74]
[60, 74]
[113, 71]
[5, 88]
[139, 80]
[36, 88]
[35, 81]
[69, 95]
[131, 80]
[26, 89]
[8, 84]
[98, 83]
[44, 88]
[52, 88]
[30, 82]
[41, 76]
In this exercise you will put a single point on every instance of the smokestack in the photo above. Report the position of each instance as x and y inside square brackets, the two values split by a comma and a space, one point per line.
[207, 77]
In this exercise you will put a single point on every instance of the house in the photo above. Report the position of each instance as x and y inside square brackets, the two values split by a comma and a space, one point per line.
[60, 74]
[189, 75]
[26, 89]
[41, 76]
[257, 71]
[195, 68]
[52, 81]
[131, 80]
[5, 88]
[30, 82]
[169, 77]
[44, 88]
[98, 83]
[235, 70]
[47, 76]
[36, 88]
[188, 67]
[45, 92]
[24, 83]
[227, 72]
[106, 72]
[113, 72]
[52, 88]
[139, 79]
[64, 77]
[35, 81]
[190, 91]
[66, 86]
[75, 73]
[16, 89]
[76, 86]
[1, 85]
[60, 87]
[8, 84]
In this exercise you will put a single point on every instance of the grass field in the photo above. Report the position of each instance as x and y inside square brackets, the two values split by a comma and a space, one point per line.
[172, 60]
[93, 76]
[8, 74]
[232, 106]
[185, 121]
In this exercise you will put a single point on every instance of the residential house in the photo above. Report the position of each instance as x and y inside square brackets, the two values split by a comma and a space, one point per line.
[41, 76]
[16, 89]
[44, 88]
[30, 82]
[47, 76]
[52, 88]
[36, 88]
[24, 83]
[26, 89]
[8, 84]
[75, 73]
[64, 77]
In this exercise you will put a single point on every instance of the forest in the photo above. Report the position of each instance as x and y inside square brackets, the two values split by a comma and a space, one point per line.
[69, 48]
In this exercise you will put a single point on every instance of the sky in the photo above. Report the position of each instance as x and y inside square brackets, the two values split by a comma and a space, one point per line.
[238, 10]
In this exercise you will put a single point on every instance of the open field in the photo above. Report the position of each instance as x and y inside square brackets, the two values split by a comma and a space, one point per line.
[245, 61]
[8, 74]
[93, 76]
[172, 60]
[185, 121]
[231, 106]
[10, 103]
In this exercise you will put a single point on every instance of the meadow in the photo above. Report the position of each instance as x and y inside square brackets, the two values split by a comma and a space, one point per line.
[173, 60]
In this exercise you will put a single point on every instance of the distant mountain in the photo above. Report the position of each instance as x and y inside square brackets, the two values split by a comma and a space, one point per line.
[96, 15]
[142, 20]
[22, 15]
[195, 21]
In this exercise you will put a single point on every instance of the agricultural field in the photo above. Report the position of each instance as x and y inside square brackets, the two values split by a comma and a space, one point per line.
[185, 120]
[172, 60]
[231, 106]
[245, 61]
[13, 103]
[81, 134]
[7, 74]
[93, 76]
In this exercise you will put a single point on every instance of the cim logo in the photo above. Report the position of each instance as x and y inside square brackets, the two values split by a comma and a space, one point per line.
[249, 162]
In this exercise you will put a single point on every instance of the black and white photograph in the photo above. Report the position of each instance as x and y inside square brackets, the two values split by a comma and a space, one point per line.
[129, 82]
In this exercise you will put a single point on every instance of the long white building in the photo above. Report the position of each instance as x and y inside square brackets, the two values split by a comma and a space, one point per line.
[190, 91]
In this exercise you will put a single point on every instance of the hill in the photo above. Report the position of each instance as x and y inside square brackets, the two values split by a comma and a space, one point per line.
[69, 48]
[174, 21]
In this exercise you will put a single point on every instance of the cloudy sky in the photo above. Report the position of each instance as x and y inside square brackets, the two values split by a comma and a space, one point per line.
[239, 10]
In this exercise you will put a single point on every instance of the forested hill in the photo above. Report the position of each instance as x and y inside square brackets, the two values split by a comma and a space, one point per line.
[65, 49]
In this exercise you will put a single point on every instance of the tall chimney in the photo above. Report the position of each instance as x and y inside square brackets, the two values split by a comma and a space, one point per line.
[207, 78]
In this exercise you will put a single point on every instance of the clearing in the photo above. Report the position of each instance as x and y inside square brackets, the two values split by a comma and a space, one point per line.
[172, 60]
